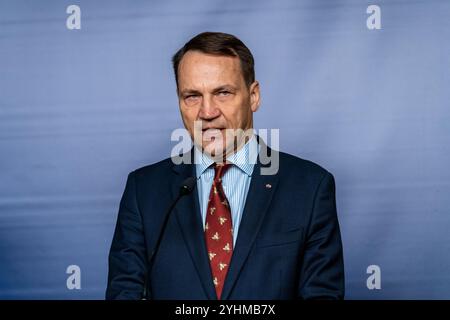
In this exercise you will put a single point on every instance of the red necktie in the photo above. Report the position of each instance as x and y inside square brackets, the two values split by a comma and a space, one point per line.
[219, 230]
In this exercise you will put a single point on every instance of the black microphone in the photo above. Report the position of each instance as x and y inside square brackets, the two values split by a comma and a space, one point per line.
[186, 187]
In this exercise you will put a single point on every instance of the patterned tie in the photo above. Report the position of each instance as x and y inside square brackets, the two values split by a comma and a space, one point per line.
[219, 230]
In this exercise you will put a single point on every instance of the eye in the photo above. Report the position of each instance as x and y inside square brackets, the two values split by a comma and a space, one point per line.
[191, 97]
[224, 93]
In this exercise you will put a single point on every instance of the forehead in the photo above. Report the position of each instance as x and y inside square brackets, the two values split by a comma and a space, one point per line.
[198, 68]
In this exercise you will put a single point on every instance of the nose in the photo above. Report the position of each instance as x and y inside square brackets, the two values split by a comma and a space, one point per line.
[208, 110]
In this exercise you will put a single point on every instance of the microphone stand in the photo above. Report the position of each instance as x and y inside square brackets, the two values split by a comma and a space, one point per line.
[186, 188]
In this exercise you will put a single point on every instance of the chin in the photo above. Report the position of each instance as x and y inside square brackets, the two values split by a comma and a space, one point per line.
[211, 149]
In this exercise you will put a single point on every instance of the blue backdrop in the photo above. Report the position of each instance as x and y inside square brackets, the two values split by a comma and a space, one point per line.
[80, 108]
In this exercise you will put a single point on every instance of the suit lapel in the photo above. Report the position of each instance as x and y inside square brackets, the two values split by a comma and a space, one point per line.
[259, 196]
[189, 219]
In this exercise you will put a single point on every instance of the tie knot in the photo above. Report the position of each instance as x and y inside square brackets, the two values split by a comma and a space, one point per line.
[220, 169]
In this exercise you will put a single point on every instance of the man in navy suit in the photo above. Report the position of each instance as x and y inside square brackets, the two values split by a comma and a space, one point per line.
[248, 231]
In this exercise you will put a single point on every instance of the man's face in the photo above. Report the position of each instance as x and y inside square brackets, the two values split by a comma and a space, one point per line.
[213, 92]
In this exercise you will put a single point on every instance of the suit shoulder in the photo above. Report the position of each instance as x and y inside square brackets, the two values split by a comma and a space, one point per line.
[157, 168]
[292, 164]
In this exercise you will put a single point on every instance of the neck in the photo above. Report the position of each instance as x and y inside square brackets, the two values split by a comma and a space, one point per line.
[238, 143]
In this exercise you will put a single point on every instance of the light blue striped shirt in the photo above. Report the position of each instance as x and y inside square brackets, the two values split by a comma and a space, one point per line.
[235, 182]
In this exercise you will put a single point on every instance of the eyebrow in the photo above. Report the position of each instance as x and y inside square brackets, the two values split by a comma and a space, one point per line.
[189, 91]
[227, 87]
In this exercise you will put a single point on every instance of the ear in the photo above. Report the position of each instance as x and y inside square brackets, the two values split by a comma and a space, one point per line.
[254, 96]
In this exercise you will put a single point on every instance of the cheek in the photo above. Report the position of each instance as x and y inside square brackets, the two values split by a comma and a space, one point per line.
[189, 115]
[236, 117]
[234, 112]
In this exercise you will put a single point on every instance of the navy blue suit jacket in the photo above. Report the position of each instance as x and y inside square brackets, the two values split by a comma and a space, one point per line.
[288, 245]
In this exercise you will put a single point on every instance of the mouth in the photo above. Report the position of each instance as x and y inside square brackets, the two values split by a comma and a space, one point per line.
[211, 134]
[212, 130]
